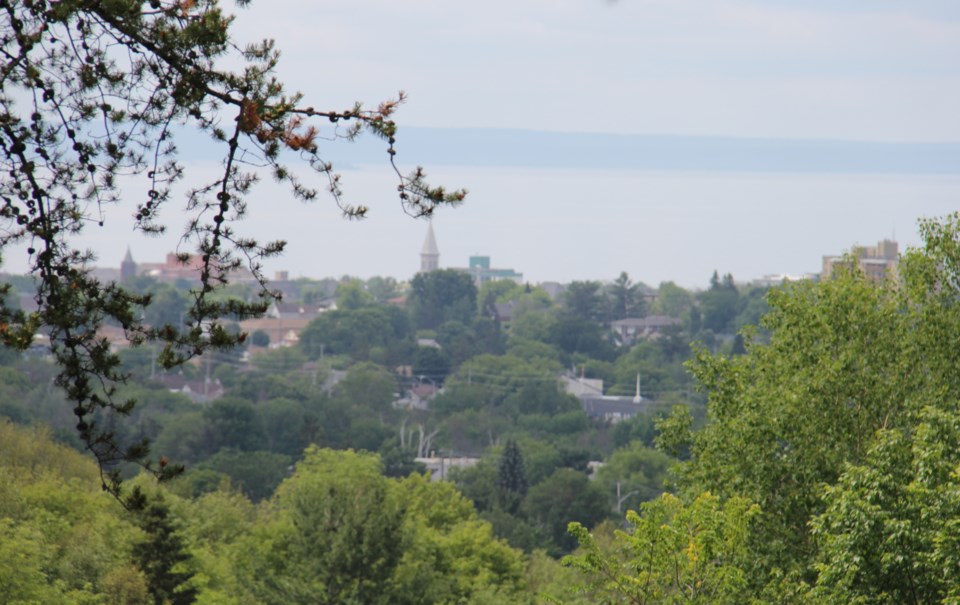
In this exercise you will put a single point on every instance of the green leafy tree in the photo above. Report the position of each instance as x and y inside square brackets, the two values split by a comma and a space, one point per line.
[506, 384]
[586, 300]
[358, 333]
[168, 306]
[232, 422]
[802, 406]
[575, 335]
[257, 474]
[720, 305]
[440, 296]
[338, 537]
[344, 533]
[431, 363]
[639, 471]
[888, 534]
[672, 300]
[672, 554]
[351, 294]
[829, 428]
[259, 338]
[497, 291]
[382, 289]
[279, 361]
[283, 422]
[367, 385]
[566, 495]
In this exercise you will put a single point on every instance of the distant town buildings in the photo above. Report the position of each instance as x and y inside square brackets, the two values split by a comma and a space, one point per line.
[631, 329]
[479, 266]
[876, 262]
[772, 280]
[172, 269]
[607, 408]
[482, 272]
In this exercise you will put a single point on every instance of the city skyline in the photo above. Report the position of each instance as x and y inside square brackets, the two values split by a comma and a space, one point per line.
[665, 139]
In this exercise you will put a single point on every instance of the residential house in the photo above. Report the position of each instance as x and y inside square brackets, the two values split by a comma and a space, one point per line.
[632, 329]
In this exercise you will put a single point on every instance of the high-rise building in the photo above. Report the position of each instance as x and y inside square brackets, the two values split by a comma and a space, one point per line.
[877, 262]
[482, 272]
[430, 254]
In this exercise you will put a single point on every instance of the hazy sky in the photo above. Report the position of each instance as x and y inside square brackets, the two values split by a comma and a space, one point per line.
[850, 70]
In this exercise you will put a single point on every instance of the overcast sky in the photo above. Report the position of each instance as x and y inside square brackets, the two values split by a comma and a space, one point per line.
[847, 70]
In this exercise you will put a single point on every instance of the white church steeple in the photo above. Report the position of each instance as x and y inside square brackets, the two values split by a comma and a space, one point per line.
[430, 254]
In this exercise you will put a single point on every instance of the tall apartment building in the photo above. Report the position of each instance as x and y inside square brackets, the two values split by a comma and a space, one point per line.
[877, 262]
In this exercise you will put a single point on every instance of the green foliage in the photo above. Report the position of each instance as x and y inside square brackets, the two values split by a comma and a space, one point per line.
[889, 533]
[279, 361]
[511, 477]
[234, 423]
[566, 495]
[574, 334]
[720, 305]
[343, 533]
[283, 425]
[489, 381]
[431, 363]
[162, 556]
[367, 385]
[337, 537]
[672, 300]
[585, 300]
[787, 417]
[62, 540]
[440, 296]
[626, 298]
[672, 554]
[641, 473]
[358, 333]
[351, 295]
[257, 474]
[382, 289]
[259, 338]
[841, 428]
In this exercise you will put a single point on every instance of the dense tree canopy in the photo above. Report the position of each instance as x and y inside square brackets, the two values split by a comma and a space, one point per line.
[437, 297]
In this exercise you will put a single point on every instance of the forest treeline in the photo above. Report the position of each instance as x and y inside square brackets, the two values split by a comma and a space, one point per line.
[814, 460]
[430, 368]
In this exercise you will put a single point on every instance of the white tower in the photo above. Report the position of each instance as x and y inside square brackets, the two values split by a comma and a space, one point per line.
[430, 254]
[638, 398]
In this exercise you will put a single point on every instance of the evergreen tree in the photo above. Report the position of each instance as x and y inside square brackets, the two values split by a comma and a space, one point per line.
[162, 555]
[511, 477]
[627, 299]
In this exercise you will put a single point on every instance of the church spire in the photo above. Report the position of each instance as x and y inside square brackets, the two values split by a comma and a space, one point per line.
[429, 254]
[128, 267]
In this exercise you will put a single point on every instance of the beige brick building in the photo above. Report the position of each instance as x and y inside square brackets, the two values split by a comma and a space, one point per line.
[877, 262]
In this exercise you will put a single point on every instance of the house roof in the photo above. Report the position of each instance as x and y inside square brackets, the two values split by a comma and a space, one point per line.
[599, 407]
[652, 321]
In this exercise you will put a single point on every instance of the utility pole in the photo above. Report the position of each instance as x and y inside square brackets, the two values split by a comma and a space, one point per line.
[620, 499]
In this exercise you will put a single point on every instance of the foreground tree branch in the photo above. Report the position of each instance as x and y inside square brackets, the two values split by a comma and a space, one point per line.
[92, 91]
